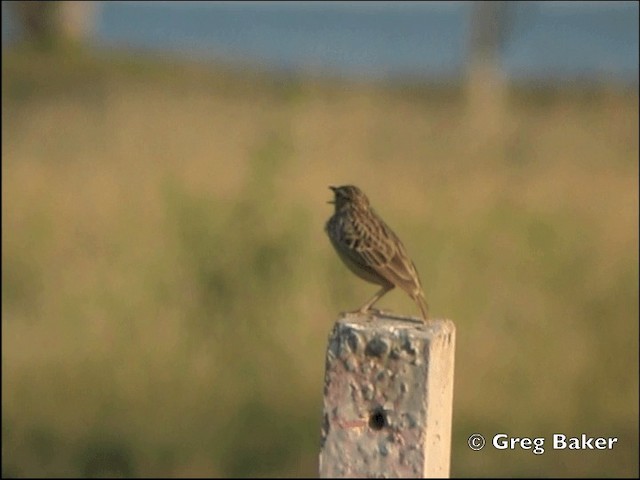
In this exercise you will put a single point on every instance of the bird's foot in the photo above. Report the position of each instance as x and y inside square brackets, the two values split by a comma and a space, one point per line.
[370, 312]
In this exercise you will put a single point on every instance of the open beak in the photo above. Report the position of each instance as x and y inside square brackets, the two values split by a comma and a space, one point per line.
[332, 202]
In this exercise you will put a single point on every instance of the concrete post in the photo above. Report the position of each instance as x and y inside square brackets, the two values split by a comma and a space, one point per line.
[487, 92]
[388, 397]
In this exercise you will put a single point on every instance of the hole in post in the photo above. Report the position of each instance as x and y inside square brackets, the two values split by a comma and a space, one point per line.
[378, 419]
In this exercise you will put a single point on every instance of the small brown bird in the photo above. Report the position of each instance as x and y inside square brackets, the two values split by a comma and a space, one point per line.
[370, 248]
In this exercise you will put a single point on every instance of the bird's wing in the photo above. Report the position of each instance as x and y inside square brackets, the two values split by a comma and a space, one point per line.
[381, 249]
[399, 269]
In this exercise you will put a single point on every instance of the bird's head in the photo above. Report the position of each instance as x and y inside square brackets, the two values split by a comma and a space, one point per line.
[349, 196]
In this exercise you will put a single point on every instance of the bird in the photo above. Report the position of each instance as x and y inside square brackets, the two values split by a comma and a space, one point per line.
[370, 249]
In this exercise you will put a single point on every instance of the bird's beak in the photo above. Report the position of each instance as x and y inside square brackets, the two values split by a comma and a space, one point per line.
[333, 189]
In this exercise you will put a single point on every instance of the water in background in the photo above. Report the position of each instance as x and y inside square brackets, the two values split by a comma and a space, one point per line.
[547, 40]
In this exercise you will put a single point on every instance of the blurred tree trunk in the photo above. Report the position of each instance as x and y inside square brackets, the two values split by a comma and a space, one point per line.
[49, 25]
[486, 85]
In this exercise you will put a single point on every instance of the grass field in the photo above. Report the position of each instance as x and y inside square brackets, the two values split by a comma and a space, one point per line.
[167, 287]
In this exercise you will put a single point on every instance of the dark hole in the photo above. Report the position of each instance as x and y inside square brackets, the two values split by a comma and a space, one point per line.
[378, 419]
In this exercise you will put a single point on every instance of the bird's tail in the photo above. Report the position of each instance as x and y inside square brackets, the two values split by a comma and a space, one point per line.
[422, 303]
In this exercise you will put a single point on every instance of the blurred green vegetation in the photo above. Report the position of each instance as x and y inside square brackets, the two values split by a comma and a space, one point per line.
[167, 288]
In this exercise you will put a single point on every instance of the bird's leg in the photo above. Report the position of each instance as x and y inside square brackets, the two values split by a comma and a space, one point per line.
[367, 306]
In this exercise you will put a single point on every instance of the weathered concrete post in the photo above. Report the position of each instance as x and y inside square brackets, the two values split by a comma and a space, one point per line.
[388, 397]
